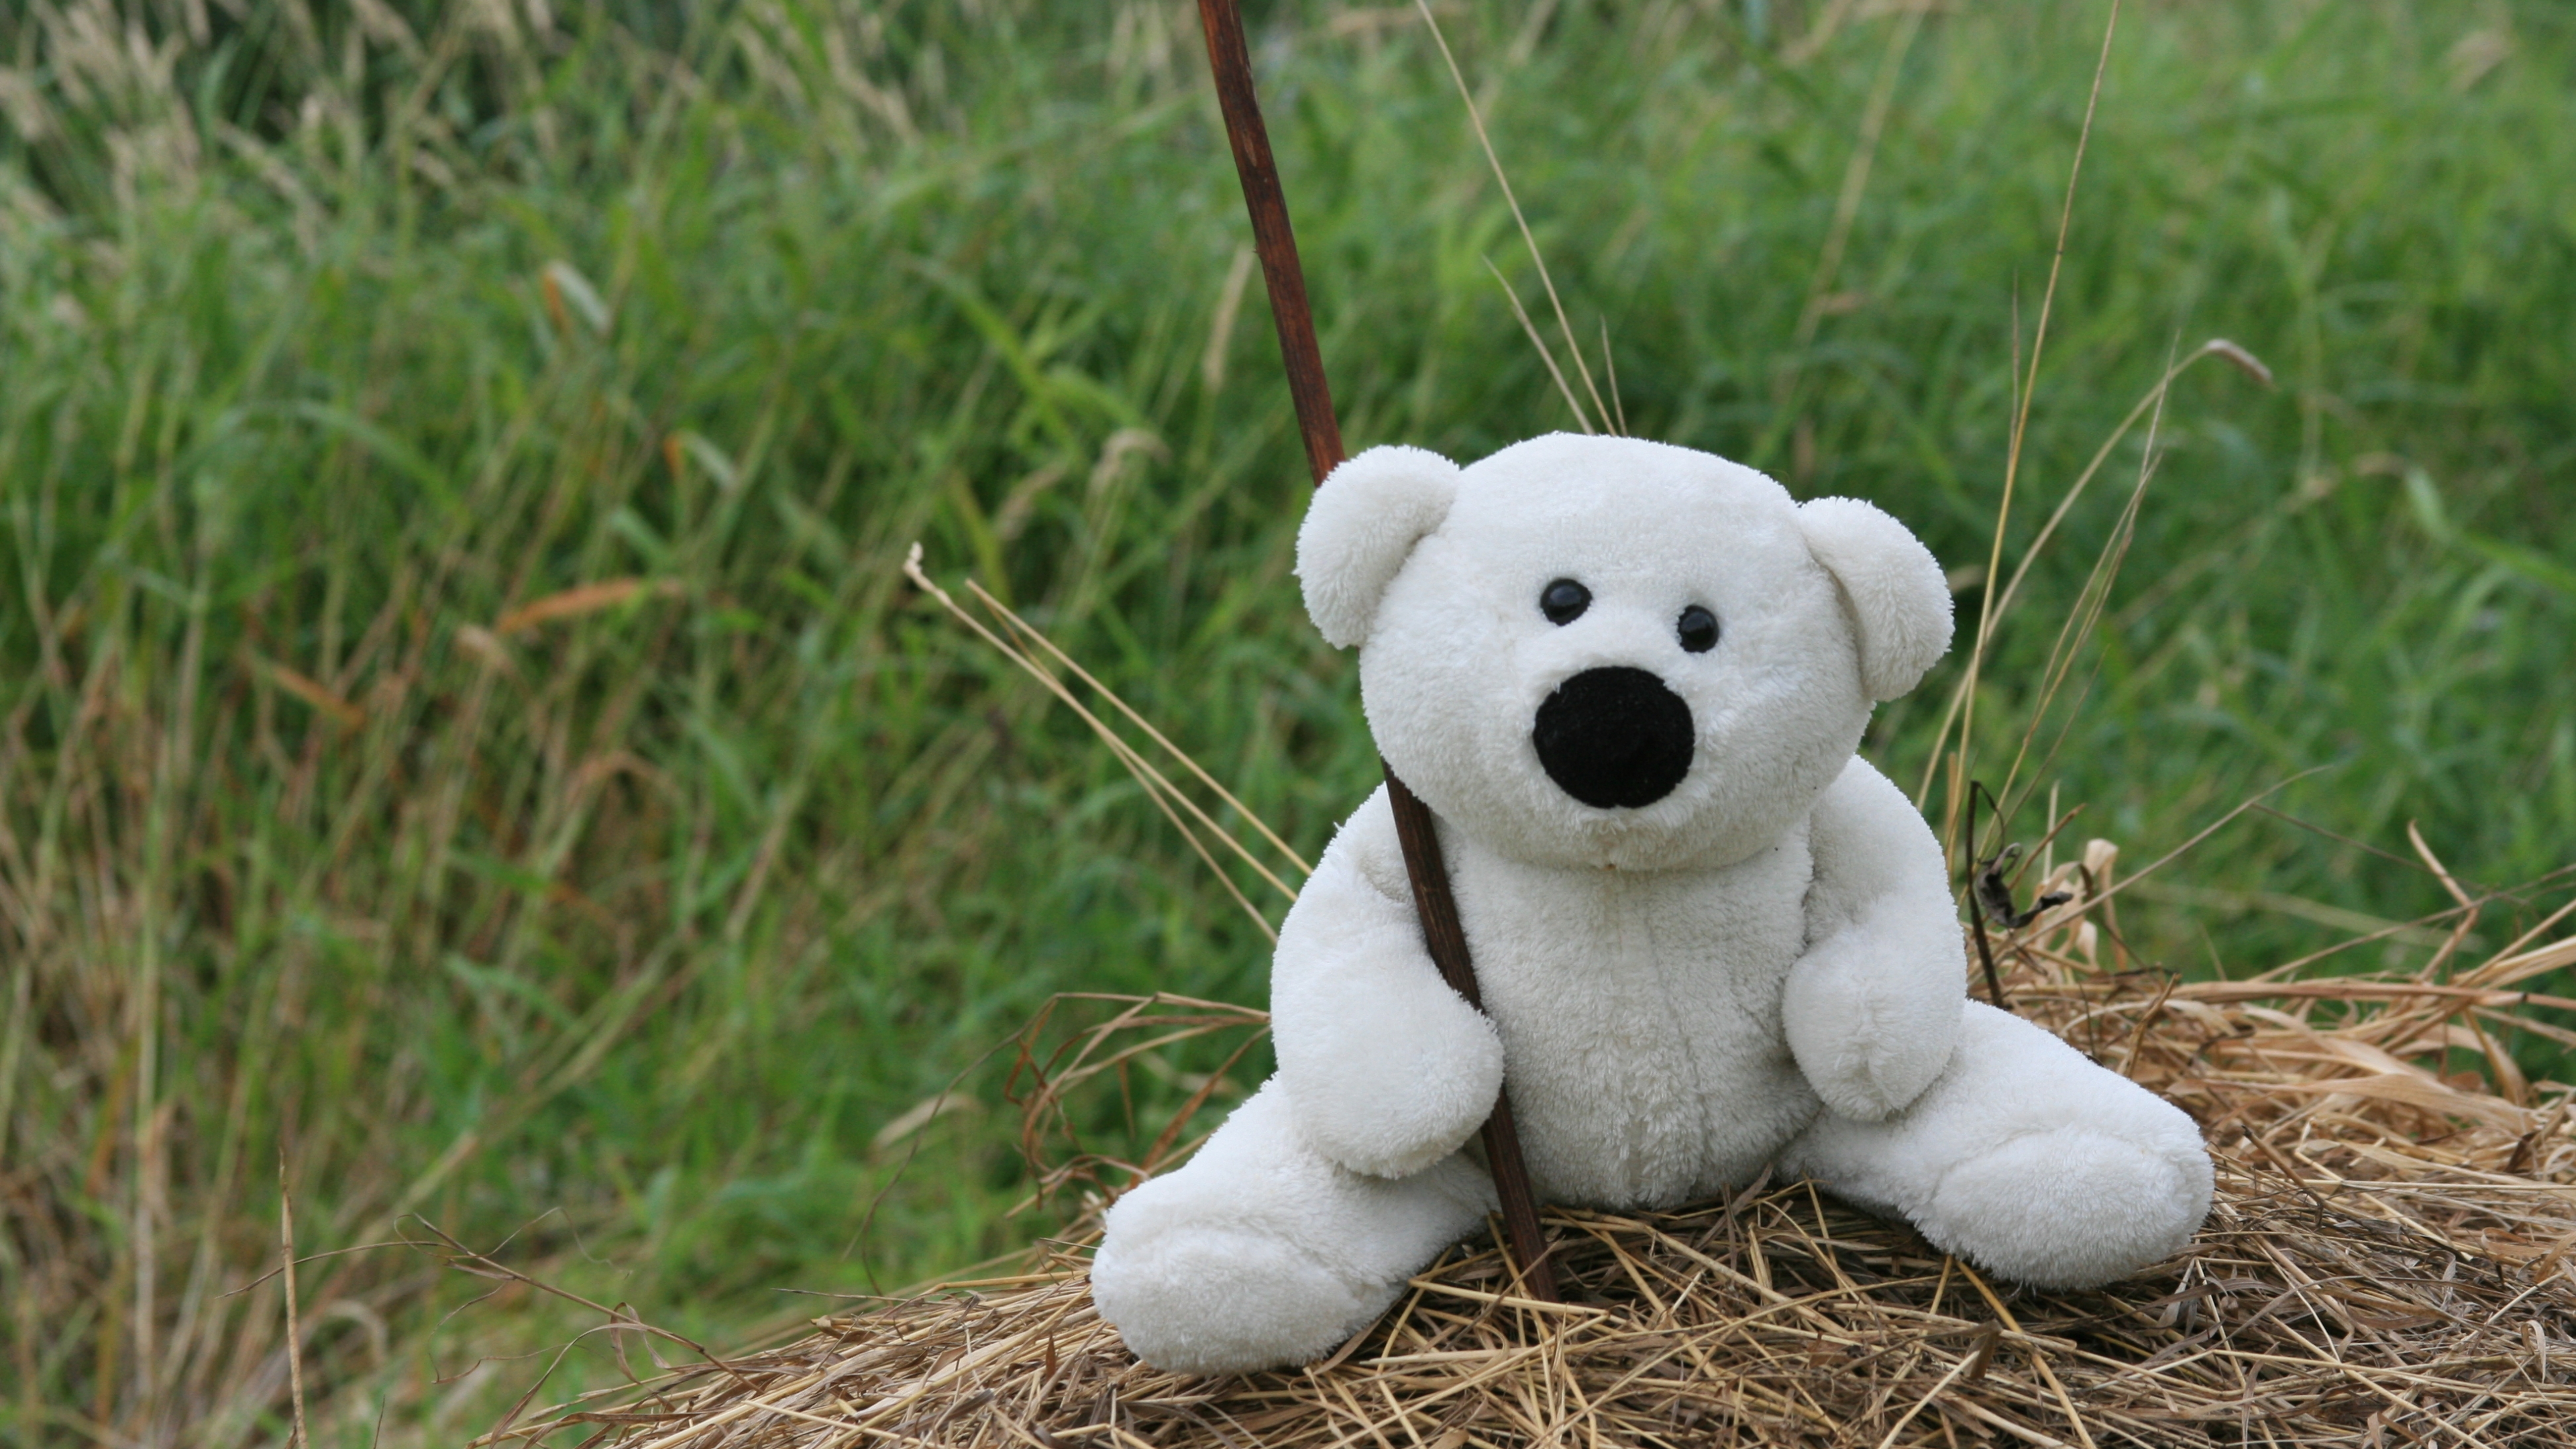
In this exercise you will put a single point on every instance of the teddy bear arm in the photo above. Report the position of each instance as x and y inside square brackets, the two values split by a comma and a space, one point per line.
[1872, 1009]
[1386, 1068]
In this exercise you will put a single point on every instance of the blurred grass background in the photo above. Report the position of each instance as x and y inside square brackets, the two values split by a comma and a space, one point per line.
[465, 735]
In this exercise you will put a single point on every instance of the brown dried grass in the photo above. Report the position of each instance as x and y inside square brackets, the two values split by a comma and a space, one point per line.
[2391, 1260]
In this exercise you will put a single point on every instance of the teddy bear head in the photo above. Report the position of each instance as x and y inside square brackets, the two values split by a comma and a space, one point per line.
[1611, 652]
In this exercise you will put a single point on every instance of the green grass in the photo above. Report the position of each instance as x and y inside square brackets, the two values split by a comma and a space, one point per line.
[324, 346]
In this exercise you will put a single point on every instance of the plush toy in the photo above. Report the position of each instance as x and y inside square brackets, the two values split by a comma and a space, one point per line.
[1628, 679]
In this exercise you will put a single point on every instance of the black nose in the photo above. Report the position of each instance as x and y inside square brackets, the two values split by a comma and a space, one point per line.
[1614, 737]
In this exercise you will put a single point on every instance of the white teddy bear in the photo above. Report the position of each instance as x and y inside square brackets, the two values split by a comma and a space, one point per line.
[1628, 679]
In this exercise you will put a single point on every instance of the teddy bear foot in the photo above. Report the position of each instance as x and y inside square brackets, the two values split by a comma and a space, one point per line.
[2069, 1208]
[1208, 1300]
[1261, 1253]
[2025, 1158]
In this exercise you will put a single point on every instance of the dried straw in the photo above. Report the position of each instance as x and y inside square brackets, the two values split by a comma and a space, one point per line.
[2388, 1263]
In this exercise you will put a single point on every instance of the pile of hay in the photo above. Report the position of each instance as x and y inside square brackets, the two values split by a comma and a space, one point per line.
[2391, 1261]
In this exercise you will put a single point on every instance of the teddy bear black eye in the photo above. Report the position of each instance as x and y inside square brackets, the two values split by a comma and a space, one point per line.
[1698, 630]
[1563, 601]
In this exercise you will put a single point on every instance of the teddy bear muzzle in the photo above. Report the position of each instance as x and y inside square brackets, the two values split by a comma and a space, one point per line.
[1614, 737]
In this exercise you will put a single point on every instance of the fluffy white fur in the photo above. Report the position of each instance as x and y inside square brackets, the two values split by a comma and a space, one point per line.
[1763, 966]
[1364, 520]
[1390, 1069]
[1263, 1251]
[2025, 1157]
[1893, 585]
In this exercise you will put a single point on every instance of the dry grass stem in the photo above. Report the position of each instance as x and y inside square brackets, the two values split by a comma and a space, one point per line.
[303, 1439]
[1043, 1079]
[2027, 385]
[1029, 633]
[2097, 584]
[1598, 419]
[1873, 126]
[1196, 825]
[1547, 357]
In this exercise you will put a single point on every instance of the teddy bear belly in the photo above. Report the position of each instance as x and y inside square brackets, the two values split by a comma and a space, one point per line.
[1640, 1018]
[1683, 1115]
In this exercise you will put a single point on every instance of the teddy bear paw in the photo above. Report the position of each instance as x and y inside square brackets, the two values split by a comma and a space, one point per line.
[1213, 1300]
[2069, 1208]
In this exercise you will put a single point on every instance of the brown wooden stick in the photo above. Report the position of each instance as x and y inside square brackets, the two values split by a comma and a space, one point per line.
[1438, 908]
[1276, 243]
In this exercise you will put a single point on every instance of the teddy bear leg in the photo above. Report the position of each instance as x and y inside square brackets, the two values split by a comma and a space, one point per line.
[2025, 1158]
[1261, 1253]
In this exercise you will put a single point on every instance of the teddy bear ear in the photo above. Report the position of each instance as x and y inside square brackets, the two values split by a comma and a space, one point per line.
[1897, 595]
[1364, 522]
